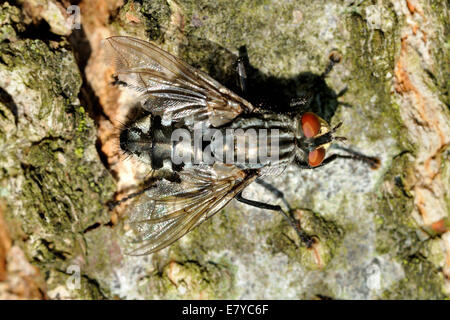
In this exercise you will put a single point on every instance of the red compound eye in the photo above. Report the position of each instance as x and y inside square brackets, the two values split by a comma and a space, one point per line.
[310, 125]
[316, 157]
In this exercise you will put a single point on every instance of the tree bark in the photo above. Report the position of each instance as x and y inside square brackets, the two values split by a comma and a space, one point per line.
[383, 234]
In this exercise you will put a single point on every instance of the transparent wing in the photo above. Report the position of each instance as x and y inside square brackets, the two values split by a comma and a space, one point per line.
[171, 87]
[170, 210]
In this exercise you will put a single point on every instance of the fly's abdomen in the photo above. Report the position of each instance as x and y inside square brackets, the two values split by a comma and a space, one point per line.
[148, 141]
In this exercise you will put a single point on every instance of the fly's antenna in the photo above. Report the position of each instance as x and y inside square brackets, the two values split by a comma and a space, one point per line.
[336, 127]
[338, 138]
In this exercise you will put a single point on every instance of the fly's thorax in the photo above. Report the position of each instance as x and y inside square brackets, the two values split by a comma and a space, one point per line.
[257, 141]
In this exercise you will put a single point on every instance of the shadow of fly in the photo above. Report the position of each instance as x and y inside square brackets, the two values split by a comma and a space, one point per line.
[212, 141]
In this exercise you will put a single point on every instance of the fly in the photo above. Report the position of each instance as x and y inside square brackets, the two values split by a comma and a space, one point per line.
[214, 142]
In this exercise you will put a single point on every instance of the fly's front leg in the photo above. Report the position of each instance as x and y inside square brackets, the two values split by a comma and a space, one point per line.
[306, 239]
[302, 104]
[334, 57]
[373, 162]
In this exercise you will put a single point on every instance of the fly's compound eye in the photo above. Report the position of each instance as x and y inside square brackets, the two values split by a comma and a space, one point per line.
[310, 125]
[311, 128]
[316, 157]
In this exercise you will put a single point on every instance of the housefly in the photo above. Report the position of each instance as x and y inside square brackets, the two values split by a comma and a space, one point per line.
[212, 141]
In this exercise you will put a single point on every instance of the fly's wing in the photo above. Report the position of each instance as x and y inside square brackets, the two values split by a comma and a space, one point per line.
[171, 87]
[168, 211]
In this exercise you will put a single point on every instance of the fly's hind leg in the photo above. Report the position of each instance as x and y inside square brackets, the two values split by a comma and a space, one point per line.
[142, 188]
[304, 237]
[148, 184]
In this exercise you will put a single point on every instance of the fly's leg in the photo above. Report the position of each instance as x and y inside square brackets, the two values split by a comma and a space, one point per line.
[373, 162]
[112, 204]
[280, 195]
[306, 239]
[148, 184]
[334, 58]
[302, 104]
[144, 187]
[272, 189]
[242, 74]
[117, 82]
[241, 69]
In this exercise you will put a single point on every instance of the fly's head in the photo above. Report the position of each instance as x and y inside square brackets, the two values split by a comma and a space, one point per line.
[135, 139]
[314, 137]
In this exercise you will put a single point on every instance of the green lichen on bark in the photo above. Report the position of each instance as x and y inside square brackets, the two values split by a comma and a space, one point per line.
[11, 21]
[192, 280]
[52, 180]
[398, 236]
[157, 17]
[422, 281]
[396, 229]
[326, 235]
